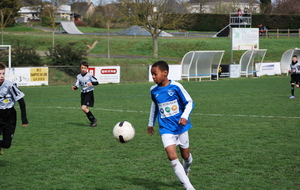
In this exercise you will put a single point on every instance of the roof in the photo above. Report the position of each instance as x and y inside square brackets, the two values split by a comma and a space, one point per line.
[26, 3]
[81, 8]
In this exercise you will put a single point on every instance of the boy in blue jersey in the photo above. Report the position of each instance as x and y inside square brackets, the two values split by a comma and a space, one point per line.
[9, 94]
[172, 105]
[86, 81]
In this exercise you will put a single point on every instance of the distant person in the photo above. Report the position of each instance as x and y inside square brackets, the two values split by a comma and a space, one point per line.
[9, 94]
[86, 81]
[172, 105]
[240, 15]
[295, 74]
[262, 30]
[265, 30]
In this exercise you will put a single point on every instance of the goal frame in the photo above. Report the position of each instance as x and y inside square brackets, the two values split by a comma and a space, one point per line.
[9, 54]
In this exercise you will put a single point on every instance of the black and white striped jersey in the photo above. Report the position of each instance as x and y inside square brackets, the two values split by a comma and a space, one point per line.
[9, 94]
[83, 80]
[295, 68]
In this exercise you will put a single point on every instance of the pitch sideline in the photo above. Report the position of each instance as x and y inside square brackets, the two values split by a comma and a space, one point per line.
[134, 111]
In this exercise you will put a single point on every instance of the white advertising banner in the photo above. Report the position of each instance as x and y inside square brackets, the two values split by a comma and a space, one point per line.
[245, 39]
[234, 71]
[174, 73]
[106, 74]
[268, 68]
[26, 76]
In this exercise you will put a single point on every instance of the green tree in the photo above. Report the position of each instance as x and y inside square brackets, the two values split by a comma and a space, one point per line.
[67, 56]
[25, 55]
[8, 12]
[266, 6]
[50, 10]
[11, 8]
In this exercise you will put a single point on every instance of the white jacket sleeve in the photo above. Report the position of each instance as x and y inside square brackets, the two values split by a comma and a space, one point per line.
[188, 109]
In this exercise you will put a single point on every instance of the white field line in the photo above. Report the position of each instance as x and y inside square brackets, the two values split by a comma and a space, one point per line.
[134, 111]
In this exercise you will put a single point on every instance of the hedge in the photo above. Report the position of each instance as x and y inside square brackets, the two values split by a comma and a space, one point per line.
[215, 22]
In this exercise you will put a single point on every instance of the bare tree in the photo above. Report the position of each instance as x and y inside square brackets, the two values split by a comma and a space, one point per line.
[154, 16]
[286, 7]
[110, 14]
[266, 6]
[49, 11]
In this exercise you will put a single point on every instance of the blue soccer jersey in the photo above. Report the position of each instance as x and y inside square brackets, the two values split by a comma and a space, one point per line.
[169, 105]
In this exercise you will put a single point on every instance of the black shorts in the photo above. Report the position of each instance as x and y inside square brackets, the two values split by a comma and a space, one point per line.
[295, 78]
[87, 99]
[8, 121]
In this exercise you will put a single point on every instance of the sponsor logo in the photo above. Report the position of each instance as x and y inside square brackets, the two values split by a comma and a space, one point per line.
[108, 71]
[161, 110]
[174, 107]
[168, 109]
[92, 71]
[171, 92]
[6, 101]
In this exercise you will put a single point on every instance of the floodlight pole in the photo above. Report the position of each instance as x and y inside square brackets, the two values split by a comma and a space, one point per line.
[231, 49]
[9, 57]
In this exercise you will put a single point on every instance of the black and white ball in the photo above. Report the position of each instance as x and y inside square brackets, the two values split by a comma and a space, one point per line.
[124, 131]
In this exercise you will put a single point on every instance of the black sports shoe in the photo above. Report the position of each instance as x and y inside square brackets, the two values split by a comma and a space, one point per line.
[94, 123]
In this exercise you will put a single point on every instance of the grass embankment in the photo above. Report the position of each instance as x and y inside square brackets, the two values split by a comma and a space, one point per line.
[172, 48]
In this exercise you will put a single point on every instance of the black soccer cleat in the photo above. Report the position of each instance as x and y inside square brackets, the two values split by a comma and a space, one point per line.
[94, 123]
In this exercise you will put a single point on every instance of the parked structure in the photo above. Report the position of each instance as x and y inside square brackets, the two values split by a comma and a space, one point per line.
[30, 13]
[73, 12]
[224, 6]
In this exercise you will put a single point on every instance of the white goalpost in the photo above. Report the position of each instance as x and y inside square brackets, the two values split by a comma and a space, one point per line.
[8, 69]
[9, 53]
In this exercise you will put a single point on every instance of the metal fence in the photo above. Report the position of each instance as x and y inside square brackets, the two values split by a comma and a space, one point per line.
[66, 75]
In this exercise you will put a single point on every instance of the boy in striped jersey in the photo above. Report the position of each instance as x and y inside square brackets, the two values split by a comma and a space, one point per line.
[9, 94]
[172, 105]
[86, 81]
[295, 74]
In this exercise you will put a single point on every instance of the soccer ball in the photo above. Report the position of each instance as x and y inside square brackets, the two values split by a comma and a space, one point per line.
[124, 131]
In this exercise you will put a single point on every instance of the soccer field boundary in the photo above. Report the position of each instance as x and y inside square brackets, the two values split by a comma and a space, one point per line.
[193, 114]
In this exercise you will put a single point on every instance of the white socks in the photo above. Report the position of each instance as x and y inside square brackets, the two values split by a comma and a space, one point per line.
[180, 173]
[187, 163]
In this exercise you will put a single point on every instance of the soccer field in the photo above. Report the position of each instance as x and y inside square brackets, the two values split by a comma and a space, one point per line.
[245, 135]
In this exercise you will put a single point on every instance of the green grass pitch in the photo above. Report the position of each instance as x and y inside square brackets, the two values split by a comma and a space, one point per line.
[245, 135]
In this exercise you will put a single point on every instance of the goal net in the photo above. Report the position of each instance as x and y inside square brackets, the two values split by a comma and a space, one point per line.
[201, 64]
